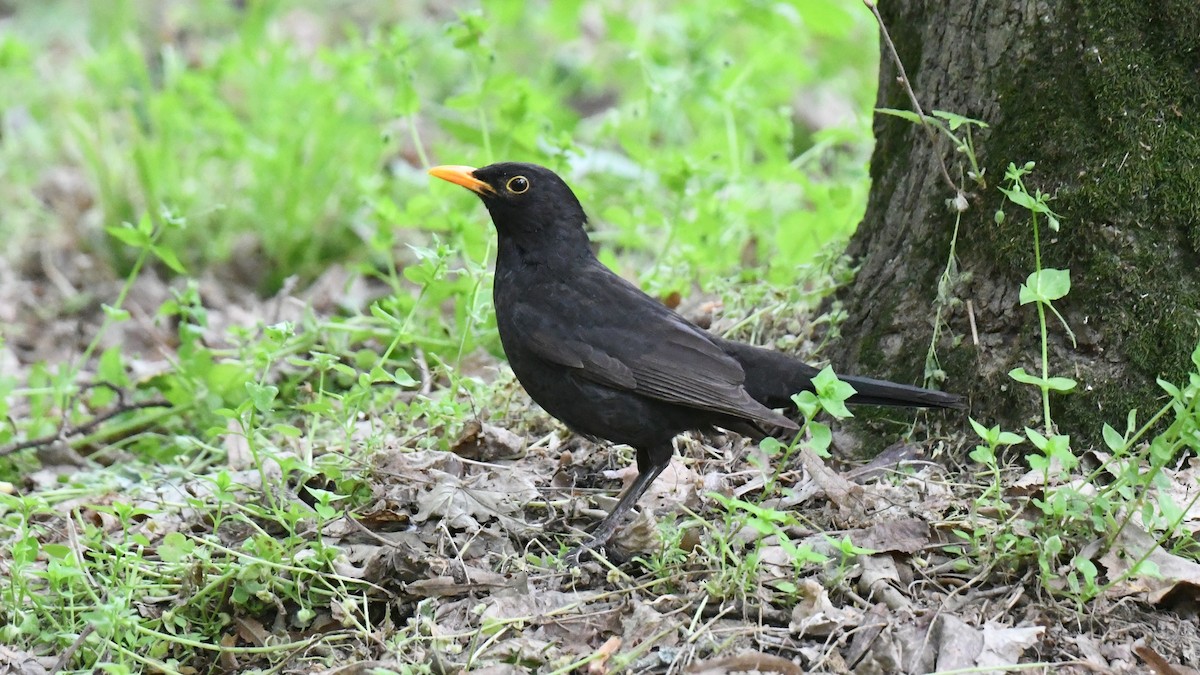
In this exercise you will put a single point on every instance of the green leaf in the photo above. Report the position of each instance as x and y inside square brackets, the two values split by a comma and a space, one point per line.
[902, 114]
[1058, 447]
[1039, 441]
[822, 438]
[1147, 568]
[126, 234]
[771, 446]
[1088, 569]
[167, 256]
[988, 435]
[1023, 377]
[1027, 294]
[145, 225]
[955, 120]
[115, 313]
[1052, 546]
[833, 393]
[57, 551]
[983, 454]
[1169, 388]
[263, 396]
[382, 314]
[1023, 199]
[1046, 286]
[1009, 438]
[175, 547]
[1051, 283]
[1063, 384]
[111, 368]
[402, 378]
[807, 403]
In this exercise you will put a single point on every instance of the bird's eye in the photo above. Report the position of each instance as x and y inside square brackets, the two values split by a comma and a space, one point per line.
[517, 185]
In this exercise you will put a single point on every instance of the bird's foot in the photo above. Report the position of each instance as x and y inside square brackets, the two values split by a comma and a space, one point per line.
[592, 546]
[602, 552]
[574, 557]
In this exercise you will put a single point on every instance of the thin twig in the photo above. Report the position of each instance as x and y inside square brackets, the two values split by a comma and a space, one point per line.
[423, 367]
[971, 320]
[912, 96]
[84, 428]
[61, 664]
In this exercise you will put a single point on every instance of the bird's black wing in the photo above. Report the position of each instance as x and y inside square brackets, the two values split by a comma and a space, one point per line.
[615, 335]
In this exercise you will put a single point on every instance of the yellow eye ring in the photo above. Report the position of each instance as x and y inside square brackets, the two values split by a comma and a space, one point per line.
[517, 185]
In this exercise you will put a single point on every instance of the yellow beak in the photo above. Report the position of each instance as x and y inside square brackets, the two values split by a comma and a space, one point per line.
[464, 176]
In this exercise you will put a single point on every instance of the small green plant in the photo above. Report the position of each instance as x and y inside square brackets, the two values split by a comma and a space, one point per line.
[993, 440]
[243, 155]
[1042, 288]
[1074, 512]
[956, 128]
[736, 566]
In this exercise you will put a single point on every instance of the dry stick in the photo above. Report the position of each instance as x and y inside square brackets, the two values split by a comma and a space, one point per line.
[912, 96]
[971, 319]
[67, 655]
[423, 367]
[82, 428]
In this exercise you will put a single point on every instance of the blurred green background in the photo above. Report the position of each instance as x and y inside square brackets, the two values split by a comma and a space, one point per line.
[705, 136]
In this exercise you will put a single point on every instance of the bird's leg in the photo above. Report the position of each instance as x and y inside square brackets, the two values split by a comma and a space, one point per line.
[650, 465]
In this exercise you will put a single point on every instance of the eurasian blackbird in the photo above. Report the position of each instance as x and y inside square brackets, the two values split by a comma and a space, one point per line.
[611, 362]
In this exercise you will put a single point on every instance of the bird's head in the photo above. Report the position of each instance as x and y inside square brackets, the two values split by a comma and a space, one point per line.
[527, 202]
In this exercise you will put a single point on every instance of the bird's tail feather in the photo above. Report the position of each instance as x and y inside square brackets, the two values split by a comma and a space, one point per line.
[772, 377]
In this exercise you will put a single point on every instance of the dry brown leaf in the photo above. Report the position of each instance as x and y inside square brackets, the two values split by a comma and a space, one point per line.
[1003, 646]
[816, 615]
[643, 622]
[473, 580]
[885, 462]
[871, 625]
[462, 503]
[251, 631]
[956, 644]
[599, 665]
[746, 662]
[238, 455]
[841, 492]
[1176, 580]
[904, 535]
[17, 662]
[487, 443]
[571, 625]
[1035, 481]
[879, 580]
[1157, 663]
[676, 485]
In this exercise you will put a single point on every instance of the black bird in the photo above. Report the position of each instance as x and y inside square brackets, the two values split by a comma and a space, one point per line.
[610, 361]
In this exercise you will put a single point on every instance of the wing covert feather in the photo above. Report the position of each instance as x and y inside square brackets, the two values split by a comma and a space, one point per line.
[648, 349]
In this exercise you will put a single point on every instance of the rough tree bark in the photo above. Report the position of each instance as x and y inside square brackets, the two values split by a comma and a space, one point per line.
[1104, 95]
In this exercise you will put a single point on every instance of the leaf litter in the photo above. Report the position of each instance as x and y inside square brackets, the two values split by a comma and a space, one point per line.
[452, 552]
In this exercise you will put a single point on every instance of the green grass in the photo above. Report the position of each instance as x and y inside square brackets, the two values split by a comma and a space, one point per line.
[207, 142]
[216, 156]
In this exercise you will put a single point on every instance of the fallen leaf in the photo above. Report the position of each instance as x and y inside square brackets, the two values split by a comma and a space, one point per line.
[487, 443]
[755, 662]
[1175, 579]
[816, 615]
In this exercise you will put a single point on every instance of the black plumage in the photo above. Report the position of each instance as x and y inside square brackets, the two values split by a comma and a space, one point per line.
[608, 360]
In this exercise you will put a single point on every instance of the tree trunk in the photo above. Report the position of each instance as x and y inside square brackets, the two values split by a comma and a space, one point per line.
[1104, 95]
